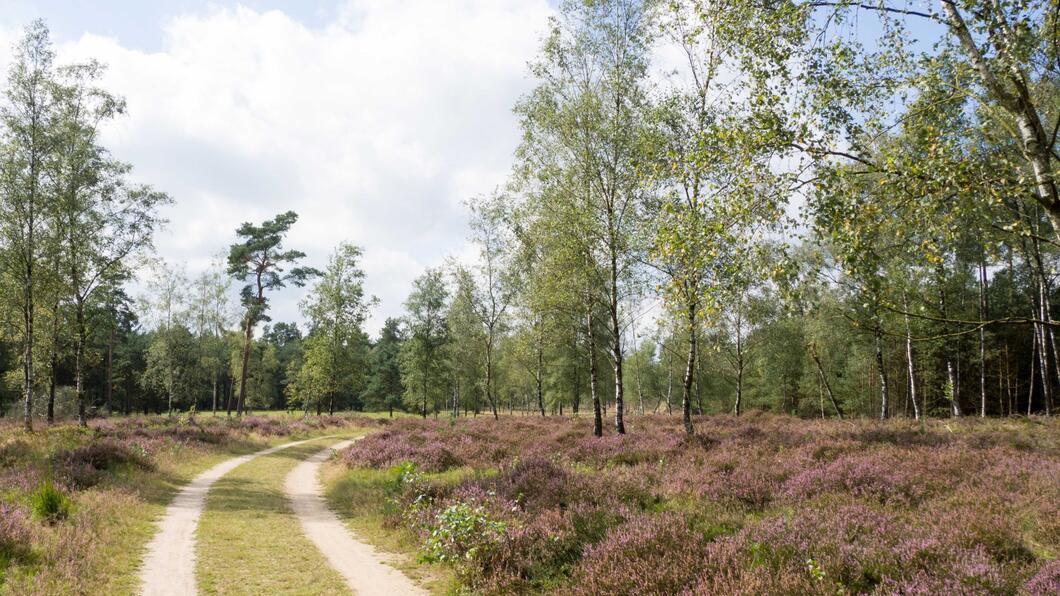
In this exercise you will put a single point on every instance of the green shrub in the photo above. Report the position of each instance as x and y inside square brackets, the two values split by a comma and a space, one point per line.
[403, 480]
[460, 532]
[49, 503]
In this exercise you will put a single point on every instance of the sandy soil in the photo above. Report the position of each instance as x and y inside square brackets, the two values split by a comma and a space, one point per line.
[365, 569]
[169, 566]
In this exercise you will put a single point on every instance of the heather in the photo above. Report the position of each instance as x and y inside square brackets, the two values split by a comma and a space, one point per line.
[76, 504]
[759, 504]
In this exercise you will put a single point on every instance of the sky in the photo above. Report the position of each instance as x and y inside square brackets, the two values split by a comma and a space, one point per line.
[374, 120]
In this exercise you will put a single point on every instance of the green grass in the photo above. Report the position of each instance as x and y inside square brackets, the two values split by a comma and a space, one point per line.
[249, 541]
[359, 498]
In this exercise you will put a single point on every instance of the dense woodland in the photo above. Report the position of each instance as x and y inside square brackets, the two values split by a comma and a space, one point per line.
[826, 209]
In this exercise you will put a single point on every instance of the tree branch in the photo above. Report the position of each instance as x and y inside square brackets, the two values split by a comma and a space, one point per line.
[879, 8]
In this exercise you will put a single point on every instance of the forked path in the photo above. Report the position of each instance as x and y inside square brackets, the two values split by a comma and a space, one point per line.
[169, 566]
[363, 568]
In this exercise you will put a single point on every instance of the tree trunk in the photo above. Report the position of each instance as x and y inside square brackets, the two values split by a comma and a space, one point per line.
[910, 365]
[456, 399]
[1043, 368]
[79, 364]
[824, 381]
[539, 380]
[228, 402]
[739, 380]
[598, 421]
[1008, 383]
[54, 364]
[690, 370]
[1030, 380]
[110, 370]
[951, 376]
[739, 358]
[616, 356]
[248, 331]
[1035, 141]
[699, 393]
[27, 348]
[882, 371]
[983, 314]
[51, 387]
[669, 383]
[423, 410]
[616, 345]
[489, 376]
[576, 398]
[1046, 340]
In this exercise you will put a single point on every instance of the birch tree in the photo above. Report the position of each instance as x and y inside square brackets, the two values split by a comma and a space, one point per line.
[584, 123]
[28, 117]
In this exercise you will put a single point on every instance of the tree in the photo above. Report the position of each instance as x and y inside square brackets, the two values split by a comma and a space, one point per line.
[337, 309]
[471, 350]
[384, 388]
[1016, 41]
[491, 297]
[98, 217]
[422, 354]
[172, 365]
[582, 128]
[119, 327]
[27, 117]
[167, 355]
[262, 371]
[287, 340]
[211, 312]
[260, 258]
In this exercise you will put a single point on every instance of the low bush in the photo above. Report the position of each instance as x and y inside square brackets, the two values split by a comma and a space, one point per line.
[15, 534]
[760, 504]
[84, 466]
[461, 532]
[657, 554]
[1046, 582]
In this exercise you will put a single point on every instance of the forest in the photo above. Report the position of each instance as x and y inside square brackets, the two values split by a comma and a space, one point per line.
[690, 237]
[755, 261]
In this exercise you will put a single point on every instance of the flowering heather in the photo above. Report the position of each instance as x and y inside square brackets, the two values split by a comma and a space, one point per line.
[1046, 582]
[651, 554]
[426, 451]
[14, 533]
[754, 505]
[84, 466]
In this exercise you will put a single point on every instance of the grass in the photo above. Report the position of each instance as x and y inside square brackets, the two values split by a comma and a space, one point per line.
[98, 549]
[118, 514]
[359, 497]
[250, 542]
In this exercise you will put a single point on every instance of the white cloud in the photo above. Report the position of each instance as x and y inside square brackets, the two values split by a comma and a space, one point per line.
[373, 128]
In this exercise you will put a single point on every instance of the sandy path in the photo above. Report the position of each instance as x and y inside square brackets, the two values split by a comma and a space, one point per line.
[364, 569]
[169, 566]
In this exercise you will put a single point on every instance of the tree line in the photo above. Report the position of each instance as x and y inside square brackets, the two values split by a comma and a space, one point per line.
[825, 209]
[77, 231]
[795, 206]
